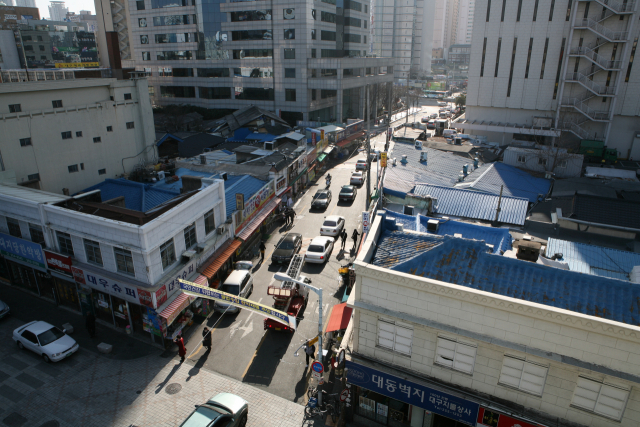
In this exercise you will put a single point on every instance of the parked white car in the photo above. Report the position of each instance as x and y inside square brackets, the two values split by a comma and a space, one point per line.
[45, 340]
[332, 225]
[319, 250]
[361, 165]
[357, 178]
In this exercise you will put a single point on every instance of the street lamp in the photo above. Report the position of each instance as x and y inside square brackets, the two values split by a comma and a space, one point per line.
[284, 278]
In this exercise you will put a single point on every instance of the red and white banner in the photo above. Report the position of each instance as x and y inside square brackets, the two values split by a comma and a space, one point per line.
[58, 262]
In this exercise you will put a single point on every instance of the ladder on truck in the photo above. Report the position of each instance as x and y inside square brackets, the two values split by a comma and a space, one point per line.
[285, 290]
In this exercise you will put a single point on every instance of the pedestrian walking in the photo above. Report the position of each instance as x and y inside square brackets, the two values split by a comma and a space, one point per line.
[354, 236]
[310, 351]
[262, 249]
[91, 324]
[291, 215]
[206, 338]
[343, 237]
[182, 350]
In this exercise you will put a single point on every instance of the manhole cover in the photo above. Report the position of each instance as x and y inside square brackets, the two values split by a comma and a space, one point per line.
[52, 423]
[173, 388]
[14, 420]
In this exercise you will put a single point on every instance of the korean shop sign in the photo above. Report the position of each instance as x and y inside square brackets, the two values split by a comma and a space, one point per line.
[105, 284]
[418, 395]
[22, 250]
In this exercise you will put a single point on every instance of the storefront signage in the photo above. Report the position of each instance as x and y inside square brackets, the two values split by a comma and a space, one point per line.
[14, 17]
[58, 262]
[281, 183]
[491, 418]
[313, 138]
[104, 284]
[172, 285]
[418, 395]
[383, 160]
[350, 130]
[200, 291]
[239, 201]
[77, 64]
[145, 298]
[254, 204]
[160, 296]
[365, 221]
[23, 251]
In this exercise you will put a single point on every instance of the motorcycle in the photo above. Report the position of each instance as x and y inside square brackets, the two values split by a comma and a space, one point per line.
[328, 181]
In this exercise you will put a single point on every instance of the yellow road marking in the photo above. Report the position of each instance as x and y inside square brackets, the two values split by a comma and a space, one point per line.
[254, 355]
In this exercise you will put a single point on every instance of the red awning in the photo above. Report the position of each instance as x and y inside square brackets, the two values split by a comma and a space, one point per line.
[218, 259]
[179, 303]
[255, 222]
[340, 316]
[351, 138]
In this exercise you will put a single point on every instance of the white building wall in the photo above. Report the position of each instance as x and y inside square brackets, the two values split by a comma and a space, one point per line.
[87, 108]
[8, 51]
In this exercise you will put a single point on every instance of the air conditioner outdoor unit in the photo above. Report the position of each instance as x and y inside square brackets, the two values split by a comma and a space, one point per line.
[200, 247]
[408, 210]
[221, 229]
[187, 255]
[432, 225]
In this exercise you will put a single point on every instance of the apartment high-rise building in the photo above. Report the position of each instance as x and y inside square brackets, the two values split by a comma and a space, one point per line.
[58, 11]
[25, 3]
[555, 72]
[300, 58]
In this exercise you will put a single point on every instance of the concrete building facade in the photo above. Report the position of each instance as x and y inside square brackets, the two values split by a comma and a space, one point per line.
[58, 11]
[555, 69]
[70, 134]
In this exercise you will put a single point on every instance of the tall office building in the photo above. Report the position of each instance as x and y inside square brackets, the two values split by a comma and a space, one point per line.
[403, 29]
[300, 58]
[57, 11]
[555, 71]
[465, 21]
[26, 3]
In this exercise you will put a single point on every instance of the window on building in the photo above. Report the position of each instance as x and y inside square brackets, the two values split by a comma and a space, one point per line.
[14, 227]
[15, 108]
[633, 54]
[215, 92]
[289, 53]
[72, 168]
[81, 166]
[557, 83]
[97, 139]
[523, 375]
[102, 171]
[289, 73]
[41, 48]
[79, 134]
[484, 53]
[146, 56]
[127, 96]
[313, 34]
[504, 4]
[140, 4]
[65, 246]
[495, 73]
[488, 9]
[167, 254]
[289, 13]
[553, 2]
[395, 336]
[542, 161]
[142, 22]
[190, 236]
[92, 248]
[290, 34]
[568, 11]
[290, 95]
[28, 48]
[313, 53]
[109, 128]
[25, 141]
[562, 163]
[124, 261]
[544, 57]
[34, 177]
[40, 38]
[130, 125]
[37, 236]
[209, 222]
[456, 355]
[513, 61]
[57, 104]
[313, 94]
[519, 10]
[522, 159]
[600, 398]
[535, 11]
[526, 71]
[66, 135]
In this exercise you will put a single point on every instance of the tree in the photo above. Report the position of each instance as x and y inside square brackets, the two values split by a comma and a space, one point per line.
[461, 100]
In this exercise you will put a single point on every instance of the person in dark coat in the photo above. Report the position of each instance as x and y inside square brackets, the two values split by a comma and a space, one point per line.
[182, 350]
[206, 338]
[354, 236]
[310, 351]
[263, 248]
[91, 324]
[343, 237]
[291, 215]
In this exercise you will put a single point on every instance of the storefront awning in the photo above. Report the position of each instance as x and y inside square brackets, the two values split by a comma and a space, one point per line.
[340, 316]
[351, 138]
[329, 149]
[321, 157]
[255, 222]
[219, 258]
[172, 310]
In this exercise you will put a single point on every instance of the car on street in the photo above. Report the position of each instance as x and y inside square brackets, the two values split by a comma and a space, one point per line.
[433, 116]
[238, 283]
[286, 248]
[319, 250]
[332, 225]
[45, 340]
[321, 199]
[442, 103]
[425, 119]
[357, 178]
[4, 309]
[348, 193]
[222, 410]
[361, 165]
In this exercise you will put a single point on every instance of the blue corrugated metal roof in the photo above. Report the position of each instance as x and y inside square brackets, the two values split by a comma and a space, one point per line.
[499, 238]
[175, 186]
[467, 263]
[517, 183]
[596, 260]
[137, 196]
[245, 184]
[476, 205]
[164, 138]
[441, 168]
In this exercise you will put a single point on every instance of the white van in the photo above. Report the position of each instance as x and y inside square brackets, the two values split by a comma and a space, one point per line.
[238, 283]
[449, 133]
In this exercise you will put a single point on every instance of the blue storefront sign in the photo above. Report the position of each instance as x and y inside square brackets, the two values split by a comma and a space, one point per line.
[23, 251]
[432, 400]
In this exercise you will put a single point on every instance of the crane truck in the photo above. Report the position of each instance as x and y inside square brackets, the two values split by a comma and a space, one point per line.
[289, 297]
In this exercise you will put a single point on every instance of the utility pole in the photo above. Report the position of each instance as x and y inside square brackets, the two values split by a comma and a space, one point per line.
[368, 157]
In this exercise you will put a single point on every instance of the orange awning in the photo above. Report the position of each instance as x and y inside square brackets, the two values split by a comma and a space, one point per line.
[179, 303]
[217, 260]
[351, 138]
[340, 316]
[269, 207]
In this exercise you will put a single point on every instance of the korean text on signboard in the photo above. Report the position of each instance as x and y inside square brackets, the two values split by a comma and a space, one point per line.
[107, 285]
[254, 204]
[383, 160]
[172, 284]
[22, 250]
[239, 201]
[57, 262]
[210, 293]
[450, 406]
[366, 216]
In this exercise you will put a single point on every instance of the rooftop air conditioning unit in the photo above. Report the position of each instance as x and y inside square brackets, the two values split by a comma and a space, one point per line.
[223, 175]
[187, 255]
[268, 145]
[203, 159]
[423, 156]
[394, 162]
[432, 225]
[221, 230]
[404, 159]
[408, 210]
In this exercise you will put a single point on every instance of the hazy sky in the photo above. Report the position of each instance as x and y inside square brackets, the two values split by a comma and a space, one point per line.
[73, 5]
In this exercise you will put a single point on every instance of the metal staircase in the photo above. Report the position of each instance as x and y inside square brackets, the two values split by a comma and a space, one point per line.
[600, 77]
